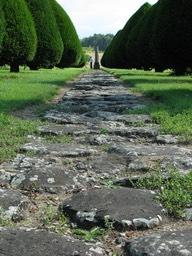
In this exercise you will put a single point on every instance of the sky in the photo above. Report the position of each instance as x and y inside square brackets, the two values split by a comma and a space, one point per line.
[100, 16]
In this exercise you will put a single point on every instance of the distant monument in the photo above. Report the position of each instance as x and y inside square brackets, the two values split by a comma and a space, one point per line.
[96, 64]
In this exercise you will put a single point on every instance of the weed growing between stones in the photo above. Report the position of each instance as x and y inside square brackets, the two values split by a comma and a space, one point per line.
[89, 235]
[173, 190]
[104, 131]
[105, 148]
[55, 221]
[4, 222]
[60, 139]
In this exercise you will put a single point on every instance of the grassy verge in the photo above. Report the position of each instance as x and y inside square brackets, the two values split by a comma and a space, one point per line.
[173, 95]
[20, 90]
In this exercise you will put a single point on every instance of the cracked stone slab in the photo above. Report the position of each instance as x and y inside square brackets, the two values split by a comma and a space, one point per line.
[30, 242]
[150, 150]
[104, 165]
[69, 129]
[65, 118]
[162, 244]
[51, 175]
[58, 149]
[13, 204]
[128, 208]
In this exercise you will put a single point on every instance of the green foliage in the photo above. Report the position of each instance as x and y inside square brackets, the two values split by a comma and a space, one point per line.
[97, 40]
[109, 58]
[143, 34]
[50, 44]
[173, 191]
[60, 139]
[19, 91]
[172, 35]
[129, 41]
[4, 222]
[89, 235]
[2, 26]
[13, 133]
[55, 221]
[73, 55]
[20, 39]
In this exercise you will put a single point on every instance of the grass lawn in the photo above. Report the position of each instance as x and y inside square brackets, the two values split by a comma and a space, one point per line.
[23, 89]
[173, 95]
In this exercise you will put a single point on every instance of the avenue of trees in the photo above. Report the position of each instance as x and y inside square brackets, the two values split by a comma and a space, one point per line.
[100, 40]
[155, 37]
[38, 34]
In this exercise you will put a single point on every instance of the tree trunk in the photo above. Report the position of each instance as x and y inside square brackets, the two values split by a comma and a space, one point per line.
[14, 67]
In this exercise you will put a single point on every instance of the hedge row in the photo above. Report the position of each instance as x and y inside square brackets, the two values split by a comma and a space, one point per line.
[155, 37]
[38, 34]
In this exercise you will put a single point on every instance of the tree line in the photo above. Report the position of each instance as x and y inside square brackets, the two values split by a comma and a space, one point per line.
[100, 40]
[38, 34]
[155, 37]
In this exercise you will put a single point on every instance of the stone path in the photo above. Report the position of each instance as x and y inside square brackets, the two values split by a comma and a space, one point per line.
[86, 150]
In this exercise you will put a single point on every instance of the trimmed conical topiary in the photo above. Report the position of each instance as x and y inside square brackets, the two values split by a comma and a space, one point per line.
[173, 37]
[50, 45]
[109, 56]
[145, 33]
[73, 55]
[2, 26]
[20, 40]
[130, 37]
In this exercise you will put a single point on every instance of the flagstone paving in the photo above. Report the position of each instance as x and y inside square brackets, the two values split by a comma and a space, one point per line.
[90, 178]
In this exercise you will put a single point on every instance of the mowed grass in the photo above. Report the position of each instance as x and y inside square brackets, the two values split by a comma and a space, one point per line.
[173, 99]
[21, 90]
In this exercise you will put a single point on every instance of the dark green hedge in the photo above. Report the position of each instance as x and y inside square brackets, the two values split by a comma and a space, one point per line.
[50, 45]
[20, 40]
[73, 54]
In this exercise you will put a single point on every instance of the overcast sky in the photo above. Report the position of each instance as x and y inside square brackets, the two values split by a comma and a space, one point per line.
[100, 16]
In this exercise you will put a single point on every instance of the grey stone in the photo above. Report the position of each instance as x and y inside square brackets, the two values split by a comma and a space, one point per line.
[120, 205]
[58, 149]
[163, 244]
[145, 150]
[13, 204]
[167, 139]
[30, 242]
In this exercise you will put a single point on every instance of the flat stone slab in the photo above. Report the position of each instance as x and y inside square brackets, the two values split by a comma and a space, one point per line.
[65, 118]
[151, 150]
[30, 242]
[51, 175]
[162, 244]
[13, 204]
[127, 208]
[58, 149]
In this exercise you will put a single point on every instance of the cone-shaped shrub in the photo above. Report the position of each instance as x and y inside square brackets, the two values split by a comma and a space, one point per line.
[20, 40]
[144, 31]
[72, 54]
[109, 56]
[130, 37]
[120, 53]
[173, 37]
[50, 44]
[2, 26]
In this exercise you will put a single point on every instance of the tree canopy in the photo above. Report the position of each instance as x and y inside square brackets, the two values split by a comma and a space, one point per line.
[50, 44]
[20, 39]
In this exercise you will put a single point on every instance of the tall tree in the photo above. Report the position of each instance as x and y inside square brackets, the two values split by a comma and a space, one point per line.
[173, 37]
[73, 55]
[50, 45]
[145, 33]
[130, 40]
[20, 40]
[109, 57]
[2, 26]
